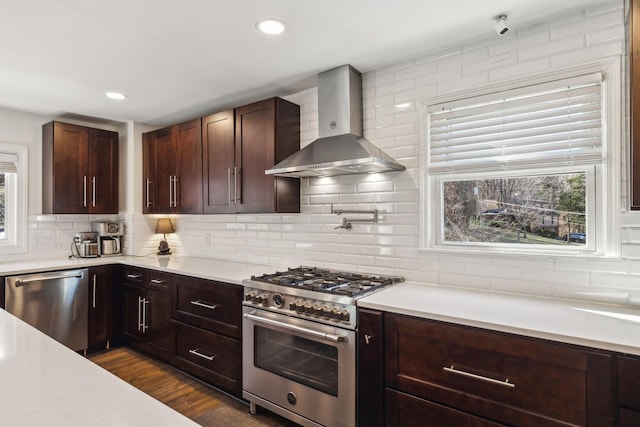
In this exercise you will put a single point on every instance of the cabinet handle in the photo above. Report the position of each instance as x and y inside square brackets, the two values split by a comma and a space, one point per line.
[367, 339]
[170, 191]
[157, 282]
[201, 304]
[139, 313]
[204, 356]
[94, 291]
[504, 383]
[175, 191]
[235, 185]
[93, 192]
[133, 276]
[144, 315]
[229, 183]
[84, 191]
[148, 187]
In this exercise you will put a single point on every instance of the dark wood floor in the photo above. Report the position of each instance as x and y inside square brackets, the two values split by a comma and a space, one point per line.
[191, 398]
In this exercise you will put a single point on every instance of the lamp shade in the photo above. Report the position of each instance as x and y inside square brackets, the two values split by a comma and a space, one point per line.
[164, 226]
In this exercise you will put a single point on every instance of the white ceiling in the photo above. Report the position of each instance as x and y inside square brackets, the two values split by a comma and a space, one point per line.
[180, 59]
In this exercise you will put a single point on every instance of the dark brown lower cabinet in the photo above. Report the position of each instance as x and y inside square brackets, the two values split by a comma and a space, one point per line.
[407, 410]
[2, 292]
[628, 375]
[442, 374]
[213, 357]
[101, 294]
[146, 312]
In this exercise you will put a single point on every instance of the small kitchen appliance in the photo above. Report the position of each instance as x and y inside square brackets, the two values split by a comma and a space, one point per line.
[110, 236]
[85, 245]
[299, 336]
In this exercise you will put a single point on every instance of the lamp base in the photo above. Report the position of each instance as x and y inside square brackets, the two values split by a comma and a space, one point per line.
[163, 248]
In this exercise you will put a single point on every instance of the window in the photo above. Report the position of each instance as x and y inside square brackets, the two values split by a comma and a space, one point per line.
[13, 198]
[520, 170]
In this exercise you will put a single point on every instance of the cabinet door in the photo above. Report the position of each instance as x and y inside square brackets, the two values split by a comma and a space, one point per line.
[188, 175]
[101, 290]
[71, 179]
[218, 147]
[132, 302]
[255, 141]
[370, 392]
[149, 155]
[157, 319]
[103, 171]
[165, 168]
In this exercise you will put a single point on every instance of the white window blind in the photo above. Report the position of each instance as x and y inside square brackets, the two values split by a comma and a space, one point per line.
[550, 124]
[8, 163]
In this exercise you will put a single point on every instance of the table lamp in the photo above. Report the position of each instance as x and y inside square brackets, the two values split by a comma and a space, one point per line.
[164, 226]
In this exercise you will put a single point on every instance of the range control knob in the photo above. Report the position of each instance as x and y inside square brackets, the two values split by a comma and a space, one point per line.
[308, 309]
[344, 315]
[278, 300]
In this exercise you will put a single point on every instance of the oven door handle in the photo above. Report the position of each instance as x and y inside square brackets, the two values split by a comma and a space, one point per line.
[312, 332]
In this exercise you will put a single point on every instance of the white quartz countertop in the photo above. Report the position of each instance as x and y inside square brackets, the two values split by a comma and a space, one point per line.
[46, 384]
[601, 326]
[205, 268]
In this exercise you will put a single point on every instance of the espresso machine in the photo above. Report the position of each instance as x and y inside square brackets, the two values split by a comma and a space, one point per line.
[110, 235]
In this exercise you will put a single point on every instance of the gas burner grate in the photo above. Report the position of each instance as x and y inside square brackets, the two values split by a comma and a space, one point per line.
[328, 281]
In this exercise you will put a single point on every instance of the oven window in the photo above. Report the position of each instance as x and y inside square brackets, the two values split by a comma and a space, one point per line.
[304, 361]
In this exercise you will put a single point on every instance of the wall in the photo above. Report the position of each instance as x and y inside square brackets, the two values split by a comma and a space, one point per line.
[390, 247]
[391, 99]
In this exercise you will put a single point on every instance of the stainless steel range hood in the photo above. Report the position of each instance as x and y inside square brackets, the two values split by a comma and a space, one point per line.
[340, 150]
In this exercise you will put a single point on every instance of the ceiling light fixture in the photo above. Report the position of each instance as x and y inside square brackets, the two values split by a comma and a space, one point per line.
[270, 26]
[116, 95]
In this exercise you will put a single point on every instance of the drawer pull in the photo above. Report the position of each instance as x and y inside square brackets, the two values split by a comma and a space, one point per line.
[157, 282]
[133, 276]
[453, 370]
[201, 304]
[195, 352]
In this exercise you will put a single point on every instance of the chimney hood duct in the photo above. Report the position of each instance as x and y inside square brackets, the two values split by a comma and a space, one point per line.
[340, 150]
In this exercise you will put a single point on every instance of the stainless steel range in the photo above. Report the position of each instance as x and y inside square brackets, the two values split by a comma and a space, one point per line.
[299, 337]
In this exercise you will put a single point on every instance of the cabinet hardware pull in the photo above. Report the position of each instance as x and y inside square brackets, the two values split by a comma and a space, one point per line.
[133, 276]
[175, 191]
[229, 183]
[93, 192]
[505, 383]
[170, 191]
[148, 199]
[139, 313]
[94, 291]
[144, 315]
[204, 356]
[367, 339]
[201, 304]
[84, 191]
[235, 185]
[156, 281]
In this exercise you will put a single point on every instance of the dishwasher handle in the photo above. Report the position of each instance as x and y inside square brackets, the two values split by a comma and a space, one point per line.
[30, 279]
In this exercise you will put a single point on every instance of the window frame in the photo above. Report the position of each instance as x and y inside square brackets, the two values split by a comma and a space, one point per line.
[605, 203]
[16, 202]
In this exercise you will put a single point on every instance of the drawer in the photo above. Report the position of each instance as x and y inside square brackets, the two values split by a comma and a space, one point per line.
[159, 280]
[210, 305]
[134, 275]
[507, 378]
[629, 382]
[214, 358]
[406, 410]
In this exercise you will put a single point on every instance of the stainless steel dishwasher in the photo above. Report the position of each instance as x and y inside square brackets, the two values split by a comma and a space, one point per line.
[56, 303]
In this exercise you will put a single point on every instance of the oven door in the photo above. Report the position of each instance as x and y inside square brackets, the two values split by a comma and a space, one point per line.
[299, 368]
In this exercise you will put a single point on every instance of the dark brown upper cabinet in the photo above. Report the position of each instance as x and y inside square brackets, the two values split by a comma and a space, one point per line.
[79, 169]
[238, 146]
[172, 162]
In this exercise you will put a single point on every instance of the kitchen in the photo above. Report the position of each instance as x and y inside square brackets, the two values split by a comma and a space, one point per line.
[393, 97]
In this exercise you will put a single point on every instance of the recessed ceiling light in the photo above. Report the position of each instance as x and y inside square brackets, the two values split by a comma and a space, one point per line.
[270, 26]
[116, 95]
